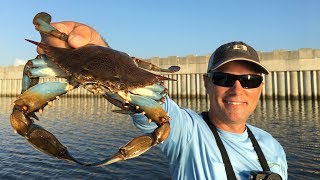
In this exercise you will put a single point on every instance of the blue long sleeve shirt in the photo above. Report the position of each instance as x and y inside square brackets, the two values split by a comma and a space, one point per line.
[192, 151]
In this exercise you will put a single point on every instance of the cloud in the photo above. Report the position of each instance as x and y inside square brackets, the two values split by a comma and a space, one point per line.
[19, 62]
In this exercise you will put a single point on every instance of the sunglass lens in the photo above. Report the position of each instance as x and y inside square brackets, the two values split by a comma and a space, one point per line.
[223, 79]
[251, 81]
[228, 80]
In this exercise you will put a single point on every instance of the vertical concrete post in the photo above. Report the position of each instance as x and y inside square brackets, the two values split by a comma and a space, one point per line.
[263, 92]
[14, 88]
[188, 85]
[307, 85]
[179, 85]
[1, 87]
[274, 84]
[287, 79]
[78, 92]
[85, 93]
[19, 86]
[193, 88]
[198, 88]
[314, 84]
[174, 87]
[10, 88]
[203, 92]
[294, 89]
[182, 85]
[268, 86]
[300, 85]
[6, 87]
[81, 92]
[318, 84]
[281, 85]
[168, 84]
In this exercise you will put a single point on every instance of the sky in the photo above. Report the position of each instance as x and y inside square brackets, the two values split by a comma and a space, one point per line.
[146, 28]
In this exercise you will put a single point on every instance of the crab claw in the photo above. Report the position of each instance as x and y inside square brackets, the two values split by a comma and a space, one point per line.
[38, 137]
[42, 23]
[47, 143]
[138, 145]
[149, 107]
[32, 100]
[152, 67]
[132, 149]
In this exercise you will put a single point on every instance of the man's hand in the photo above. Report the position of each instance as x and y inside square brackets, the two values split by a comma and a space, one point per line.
[79, 35]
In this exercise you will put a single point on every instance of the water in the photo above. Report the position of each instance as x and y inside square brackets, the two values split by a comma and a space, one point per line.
[92, 132]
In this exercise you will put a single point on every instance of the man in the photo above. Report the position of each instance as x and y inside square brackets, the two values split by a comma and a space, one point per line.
[217, 144]
[234, 84]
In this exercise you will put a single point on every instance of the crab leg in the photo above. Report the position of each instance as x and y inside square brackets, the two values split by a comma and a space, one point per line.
[150, 94]
[156, 92]
[152, 109]
[27, 81]
[39, 95]
[152, 67]
[116, 100]
[157, 87]
[32, 100]
[42, 24]
[41, 66]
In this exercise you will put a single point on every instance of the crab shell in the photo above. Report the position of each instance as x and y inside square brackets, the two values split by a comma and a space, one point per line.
[101, 67]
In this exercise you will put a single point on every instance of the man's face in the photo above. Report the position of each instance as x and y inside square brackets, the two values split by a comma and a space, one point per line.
[232, 105]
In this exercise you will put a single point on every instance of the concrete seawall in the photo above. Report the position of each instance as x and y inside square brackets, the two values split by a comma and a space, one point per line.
[294, 75]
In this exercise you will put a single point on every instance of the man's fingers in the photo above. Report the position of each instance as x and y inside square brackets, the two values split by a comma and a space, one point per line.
[80, 36]
[65, 27]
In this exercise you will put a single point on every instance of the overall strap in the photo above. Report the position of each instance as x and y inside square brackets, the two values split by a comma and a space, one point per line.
[258, 150]
[224, 154]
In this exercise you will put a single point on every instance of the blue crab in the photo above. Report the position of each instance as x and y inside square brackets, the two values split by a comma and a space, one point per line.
[119, 78]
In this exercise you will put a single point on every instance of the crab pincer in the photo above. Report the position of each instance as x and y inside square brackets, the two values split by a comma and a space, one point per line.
[31, 101]
[42, 23]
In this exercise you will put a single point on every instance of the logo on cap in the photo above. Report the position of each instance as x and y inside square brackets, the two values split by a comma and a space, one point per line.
[240, 47]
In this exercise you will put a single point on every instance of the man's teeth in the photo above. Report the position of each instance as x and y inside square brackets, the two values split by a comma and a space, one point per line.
[234, 103]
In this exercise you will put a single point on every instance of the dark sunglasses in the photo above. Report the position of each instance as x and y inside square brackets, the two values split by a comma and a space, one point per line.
[247, 81]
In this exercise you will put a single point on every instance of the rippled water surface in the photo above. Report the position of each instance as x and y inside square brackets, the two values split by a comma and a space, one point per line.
[92, 132]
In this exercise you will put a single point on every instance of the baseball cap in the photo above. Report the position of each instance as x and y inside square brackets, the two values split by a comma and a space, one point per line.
[233, 51]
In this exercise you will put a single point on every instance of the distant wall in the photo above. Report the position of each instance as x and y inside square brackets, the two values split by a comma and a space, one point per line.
[278, 60]
[294, 74]
[11, 72]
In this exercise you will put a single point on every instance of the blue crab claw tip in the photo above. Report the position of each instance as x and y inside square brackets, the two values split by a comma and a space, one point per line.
[106, 162]
[174, 68]
[113, 160]
[33, 42]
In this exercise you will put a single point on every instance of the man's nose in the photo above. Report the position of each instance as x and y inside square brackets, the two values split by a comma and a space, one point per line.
[237, 86]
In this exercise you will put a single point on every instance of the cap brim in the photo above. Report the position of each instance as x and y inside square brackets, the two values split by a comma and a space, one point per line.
[261, 67]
